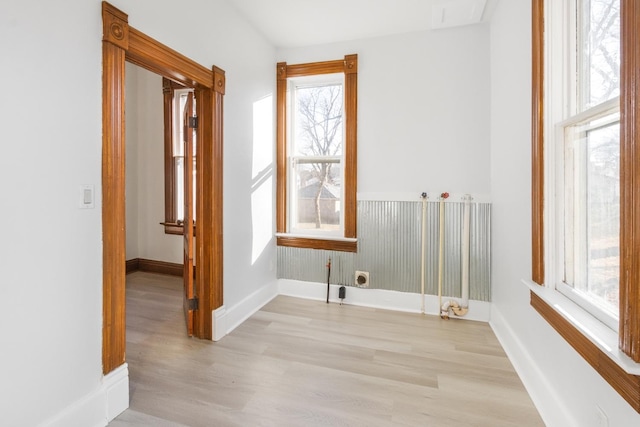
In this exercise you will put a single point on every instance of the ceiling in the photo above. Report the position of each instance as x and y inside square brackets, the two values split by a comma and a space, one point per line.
[295, 23]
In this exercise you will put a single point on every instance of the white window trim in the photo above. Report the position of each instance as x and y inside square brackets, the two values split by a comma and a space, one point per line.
[292, 84]
[559, 66]
[606, 108]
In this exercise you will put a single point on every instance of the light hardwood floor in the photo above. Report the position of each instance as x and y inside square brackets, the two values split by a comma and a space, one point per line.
[307, 363]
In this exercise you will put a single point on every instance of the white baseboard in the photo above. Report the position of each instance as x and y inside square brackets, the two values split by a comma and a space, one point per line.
[116, 385]
[226, 319]
[542, 392]
[219, 326]
[99, 407]
[378, 298]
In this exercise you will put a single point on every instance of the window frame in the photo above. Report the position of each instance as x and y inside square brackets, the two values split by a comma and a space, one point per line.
[172, 224]
[295, 84]
[284, 72]
[607, 109]
[624, 382]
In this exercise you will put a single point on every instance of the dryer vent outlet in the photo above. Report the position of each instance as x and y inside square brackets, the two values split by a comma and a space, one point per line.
[362, 279]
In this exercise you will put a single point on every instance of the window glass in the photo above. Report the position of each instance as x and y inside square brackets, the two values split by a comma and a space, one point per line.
[599, 51]
[317, 155]
[590, 183]
[592, 210]
[180, 101]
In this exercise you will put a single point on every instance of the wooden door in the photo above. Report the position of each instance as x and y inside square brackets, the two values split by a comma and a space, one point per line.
[190, 301]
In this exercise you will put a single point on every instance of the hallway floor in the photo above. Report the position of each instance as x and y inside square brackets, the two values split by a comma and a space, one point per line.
[307, 363]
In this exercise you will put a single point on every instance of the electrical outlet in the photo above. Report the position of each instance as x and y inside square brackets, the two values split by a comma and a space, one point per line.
[362, 279]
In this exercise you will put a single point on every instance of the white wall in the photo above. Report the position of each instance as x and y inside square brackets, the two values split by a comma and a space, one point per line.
[145, 169]
[51, 285]
[51, 263]
[565, 388]
[423, 116]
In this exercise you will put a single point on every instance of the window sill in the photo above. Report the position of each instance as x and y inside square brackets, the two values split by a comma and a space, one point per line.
[593, 340]
[172, 228]
[175, 228]
[343, 244]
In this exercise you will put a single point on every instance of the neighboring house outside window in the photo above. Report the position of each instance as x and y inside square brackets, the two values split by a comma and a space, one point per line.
[316, 145]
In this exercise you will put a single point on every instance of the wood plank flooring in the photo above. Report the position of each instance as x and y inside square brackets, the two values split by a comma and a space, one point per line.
[307, 363]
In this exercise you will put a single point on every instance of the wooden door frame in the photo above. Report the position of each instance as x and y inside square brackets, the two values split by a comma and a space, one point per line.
[122, 43]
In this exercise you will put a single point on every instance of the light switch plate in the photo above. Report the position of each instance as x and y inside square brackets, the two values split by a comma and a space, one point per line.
[87, 197]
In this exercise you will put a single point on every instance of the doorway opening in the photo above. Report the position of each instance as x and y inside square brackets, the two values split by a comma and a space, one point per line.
[122, 43]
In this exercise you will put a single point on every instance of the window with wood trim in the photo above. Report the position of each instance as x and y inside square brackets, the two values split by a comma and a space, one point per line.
[317, 154]
[585, 152]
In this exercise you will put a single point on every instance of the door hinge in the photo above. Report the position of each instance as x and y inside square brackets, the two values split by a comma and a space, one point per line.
[193, 122]
[193, 303]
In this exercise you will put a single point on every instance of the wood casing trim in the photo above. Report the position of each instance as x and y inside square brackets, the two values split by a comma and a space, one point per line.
[348, 66]
[169, 178]
[316, 68]
[215, 248]
[629, 328]
[309, 243]
[281, 143]
[351, 149]
[537, 143]
[115, 26]
[158, 58]
[627, 385]
[115, 40]
[122, 43]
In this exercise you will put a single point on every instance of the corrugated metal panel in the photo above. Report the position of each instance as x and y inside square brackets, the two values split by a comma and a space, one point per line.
[311, 265]
[389, 235]
[480, 253]
[452, 249]
[389, 248]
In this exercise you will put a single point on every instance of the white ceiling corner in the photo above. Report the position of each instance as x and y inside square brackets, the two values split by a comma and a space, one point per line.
[448, 13]
[298, 23]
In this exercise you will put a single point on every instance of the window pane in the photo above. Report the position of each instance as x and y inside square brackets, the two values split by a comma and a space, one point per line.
[179, 188]
[603, 214]
[318, 194]
[599, 52]
[316, 149]
[592, 214]
[180, 101]
[318, 121]
[193, 183]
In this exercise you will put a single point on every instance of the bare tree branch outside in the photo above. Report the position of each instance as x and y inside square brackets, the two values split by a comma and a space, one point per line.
[318, 152]
[592, 165]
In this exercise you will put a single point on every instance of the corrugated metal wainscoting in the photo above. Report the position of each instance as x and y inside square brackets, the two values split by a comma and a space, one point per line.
[389, 248]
